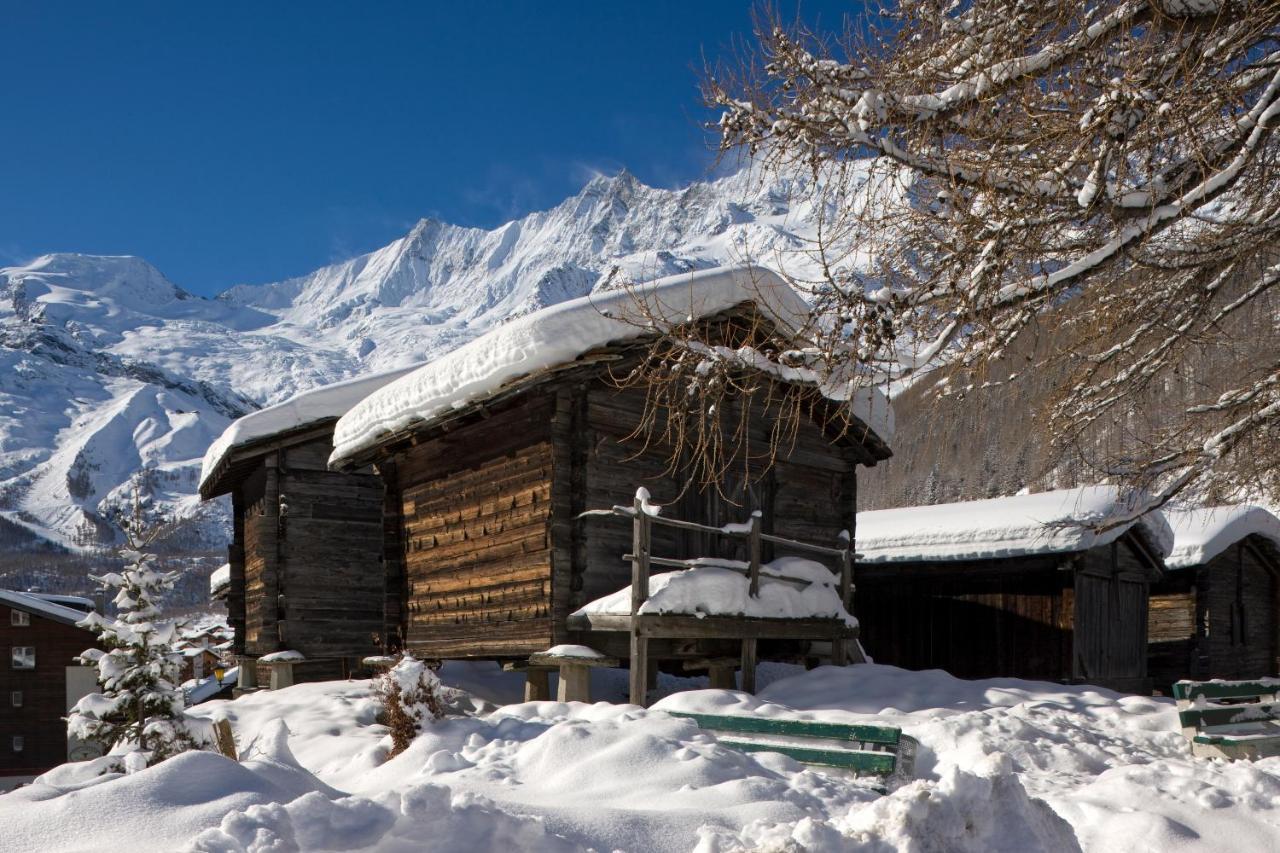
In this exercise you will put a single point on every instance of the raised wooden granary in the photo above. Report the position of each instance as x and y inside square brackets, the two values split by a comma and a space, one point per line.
[305, 559]
[491, 454]
[1039, 586]
[1216, 613]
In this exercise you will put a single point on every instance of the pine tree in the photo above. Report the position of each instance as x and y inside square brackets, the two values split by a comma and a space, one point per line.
[139, 705]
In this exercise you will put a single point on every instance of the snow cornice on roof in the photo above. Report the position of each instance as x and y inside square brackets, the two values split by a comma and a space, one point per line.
[41, 607]
[1200, 534]
[1060, 521]
[317, 408]
[557, 336]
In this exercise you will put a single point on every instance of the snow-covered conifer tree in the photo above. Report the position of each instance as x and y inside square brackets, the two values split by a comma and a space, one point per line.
[139, 704]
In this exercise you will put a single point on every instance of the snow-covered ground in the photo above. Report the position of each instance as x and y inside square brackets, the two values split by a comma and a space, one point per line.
[1004, 765]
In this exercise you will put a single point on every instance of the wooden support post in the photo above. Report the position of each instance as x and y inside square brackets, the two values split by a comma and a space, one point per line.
[846, 571]
[753, 541]
[537, 687]
[575, 683]
[224, 740]
[639, 669]
[722, 678]
[839, 652]
[749, 665]
[640, 545]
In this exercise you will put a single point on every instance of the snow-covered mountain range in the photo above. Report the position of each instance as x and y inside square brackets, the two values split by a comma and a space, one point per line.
[112, 377]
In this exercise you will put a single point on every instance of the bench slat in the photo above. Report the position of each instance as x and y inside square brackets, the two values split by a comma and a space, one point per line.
[1224, 689]
[795, 728]
[1227, 715]
[1237, 740]
[878, 763]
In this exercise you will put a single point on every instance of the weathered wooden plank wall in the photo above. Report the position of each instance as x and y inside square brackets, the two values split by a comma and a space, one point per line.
[476, 511]
[331, 577]
[259, 561]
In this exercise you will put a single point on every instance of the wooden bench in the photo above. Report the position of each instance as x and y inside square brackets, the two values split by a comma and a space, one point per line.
[880, 750]
[1230, 719]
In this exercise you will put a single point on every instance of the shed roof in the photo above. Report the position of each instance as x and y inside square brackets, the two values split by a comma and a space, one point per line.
[1060, 521]
[41, 607]
[293, 417]
[559, 335]
[1201, 534]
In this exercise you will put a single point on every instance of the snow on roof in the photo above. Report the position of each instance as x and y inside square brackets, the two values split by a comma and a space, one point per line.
[219, 580]
[559, 334]
[1053, 522]
[318, 404]
[1201, 534]
[34, 604]
[75, 602]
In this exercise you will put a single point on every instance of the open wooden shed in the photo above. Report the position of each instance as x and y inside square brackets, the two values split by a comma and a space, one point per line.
[1216, 613]
[492, 453]
[1026, 586]
[306, 555]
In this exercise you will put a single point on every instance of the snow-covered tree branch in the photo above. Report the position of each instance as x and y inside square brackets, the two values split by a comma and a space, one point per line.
[1100, 173]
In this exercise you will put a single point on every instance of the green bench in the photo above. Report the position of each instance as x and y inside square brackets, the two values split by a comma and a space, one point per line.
[878, 750]
[1230, 719]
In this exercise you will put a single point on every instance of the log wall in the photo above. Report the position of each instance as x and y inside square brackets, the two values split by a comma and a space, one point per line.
[475, 518]
[1217, 620]
[331, 577]
[311, 557]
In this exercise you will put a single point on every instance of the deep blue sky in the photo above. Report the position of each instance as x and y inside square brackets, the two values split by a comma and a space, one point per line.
[246, 142]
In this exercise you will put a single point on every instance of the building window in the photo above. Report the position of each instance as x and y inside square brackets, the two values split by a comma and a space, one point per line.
[20, 618]
[24, 657]
[15, 698]
[18, 743]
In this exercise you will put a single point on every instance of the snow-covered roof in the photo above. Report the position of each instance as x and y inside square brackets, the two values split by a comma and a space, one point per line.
[74, 602]
[220, 580]
[1053, 522]
[1201, 534]
[559, 334]
[309, 407]
[39, 606]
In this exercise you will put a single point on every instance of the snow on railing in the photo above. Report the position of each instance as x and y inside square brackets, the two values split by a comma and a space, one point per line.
[644, 514]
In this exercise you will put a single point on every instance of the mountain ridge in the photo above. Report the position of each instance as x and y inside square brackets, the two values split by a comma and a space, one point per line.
[113, 379]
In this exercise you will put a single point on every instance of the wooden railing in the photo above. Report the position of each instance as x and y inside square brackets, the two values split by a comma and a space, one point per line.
[643, 518]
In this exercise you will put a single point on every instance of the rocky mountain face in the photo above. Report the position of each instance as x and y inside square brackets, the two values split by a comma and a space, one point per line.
[114, 380]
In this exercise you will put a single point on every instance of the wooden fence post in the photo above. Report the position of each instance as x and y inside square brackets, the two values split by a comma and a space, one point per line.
[640, 545]
[753, 540]
[749, 665]
[846, 572]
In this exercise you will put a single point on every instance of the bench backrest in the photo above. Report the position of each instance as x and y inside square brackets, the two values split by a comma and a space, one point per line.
[881, 735]
[882, 750]
[1191, 690]
[1228, 715]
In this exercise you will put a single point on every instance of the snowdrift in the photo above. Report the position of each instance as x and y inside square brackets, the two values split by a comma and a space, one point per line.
[1005, 765]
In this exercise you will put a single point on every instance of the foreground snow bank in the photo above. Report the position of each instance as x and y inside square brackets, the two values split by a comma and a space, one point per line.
[1004, 765]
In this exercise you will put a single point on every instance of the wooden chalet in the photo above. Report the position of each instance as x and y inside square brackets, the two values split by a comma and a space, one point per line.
[491, 455]
[1021, 587]
[1216, 613]
[42, 680]
[306, 557]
